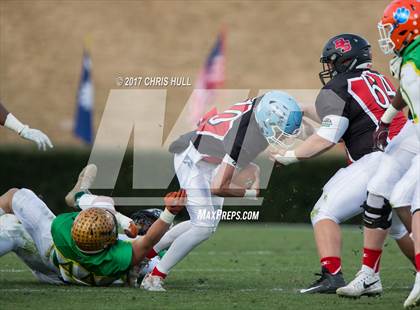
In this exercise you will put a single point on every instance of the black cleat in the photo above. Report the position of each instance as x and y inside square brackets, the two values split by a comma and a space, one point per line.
[326, 284]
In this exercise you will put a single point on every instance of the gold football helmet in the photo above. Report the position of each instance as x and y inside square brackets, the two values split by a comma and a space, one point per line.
[94, 230]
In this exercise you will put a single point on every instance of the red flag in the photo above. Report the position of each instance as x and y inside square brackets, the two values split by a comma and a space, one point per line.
[211, 76]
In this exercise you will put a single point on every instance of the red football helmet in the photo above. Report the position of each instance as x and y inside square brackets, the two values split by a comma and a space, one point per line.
[399, 25]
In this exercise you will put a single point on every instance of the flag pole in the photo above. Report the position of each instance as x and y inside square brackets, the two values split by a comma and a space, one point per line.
[87, 42]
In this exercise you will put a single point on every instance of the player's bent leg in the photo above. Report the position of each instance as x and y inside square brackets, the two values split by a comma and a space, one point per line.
[338, 203]
[406, 245]
[401, 235]
[169, 237]
[10, 236]
[377, 221]
[6, 201]
[402, 194]
[180, 248]
[196, 179]
[377, 218]
[331, 276]
[14, 238]
[377, 210]
[36, 218]
[403, 191]
[405, 216]
[183, 245]
[84, 182]
[393, 165]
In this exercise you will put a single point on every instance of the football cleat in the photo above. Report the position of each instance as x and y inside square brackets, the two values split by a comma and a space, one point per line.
[152, 283]
[327, 283]
[366, 283]
[413, 299]
[86, 178]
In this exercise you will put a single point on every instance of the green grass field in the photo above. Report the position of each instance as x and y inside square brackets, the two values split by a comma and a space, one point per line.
[242, 267]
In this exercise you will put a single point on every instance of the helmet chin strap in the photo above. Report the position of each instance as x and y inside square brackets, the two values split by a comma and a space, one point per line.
[353, 63]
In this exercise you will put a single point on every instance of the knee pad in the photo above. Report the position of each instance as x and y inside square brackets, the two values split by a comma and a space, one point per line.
[377, 218]
[387, 175]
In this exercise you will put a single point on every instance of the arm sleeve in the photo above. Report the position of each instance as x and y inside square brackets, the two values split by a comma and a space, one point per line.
[333, 127]
[410, 88]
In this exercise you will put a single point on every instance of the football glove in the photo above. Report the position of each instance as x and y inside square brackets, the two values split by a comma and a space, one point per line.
[380, 137]
[37, 136]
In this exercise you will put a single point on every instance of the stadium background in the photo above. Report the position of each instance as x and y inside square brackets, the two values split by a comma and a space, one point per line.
[270, 44]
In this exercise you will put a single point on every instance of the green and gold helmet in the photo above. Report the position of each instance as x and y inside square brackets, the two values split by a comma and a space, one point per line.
[94, 230]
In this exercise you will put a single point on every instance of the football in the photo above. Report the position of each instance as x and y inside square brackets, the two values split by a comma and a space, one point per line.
[246, 176]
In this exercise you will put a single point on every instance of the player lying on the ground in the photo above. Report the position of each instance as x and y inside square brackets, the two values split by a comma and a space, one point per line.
[349, 107]
[14, 238]
[8, 120]
[83, 247]
[399, 34]
[207, 161]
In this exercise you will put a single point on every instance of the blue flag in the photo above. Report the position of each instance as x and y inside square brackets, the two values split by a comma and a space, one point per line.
[84, 114]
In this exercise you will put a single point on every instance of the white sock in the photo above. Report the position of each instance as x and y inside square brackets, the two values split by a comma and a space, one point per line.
[171, 235]
[183, 245]
[2, 212]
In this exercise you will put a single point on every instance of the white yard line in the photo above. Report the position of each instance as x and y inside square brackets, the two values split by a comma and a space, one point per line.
[231, 253]
[72, 289]
[13, 270]
[221, 270]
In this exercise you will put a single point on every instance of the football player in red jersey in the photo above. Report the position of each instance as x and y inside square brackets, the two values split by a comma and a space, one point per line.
[348, 107]
[8, 120]
[206, 161]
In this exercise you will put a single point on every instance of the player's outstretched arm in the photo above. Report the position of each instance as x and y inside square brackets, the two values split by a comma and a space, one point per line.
[174, 203]
[332, 129]
[309, 111]
[307, 129]
[8, 120]
[224, 184]
[311, 147]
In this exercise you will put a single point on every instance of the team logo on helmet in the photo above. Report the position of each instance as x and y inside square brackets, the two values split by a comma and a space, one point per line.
[401, 15]
[343, 45]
